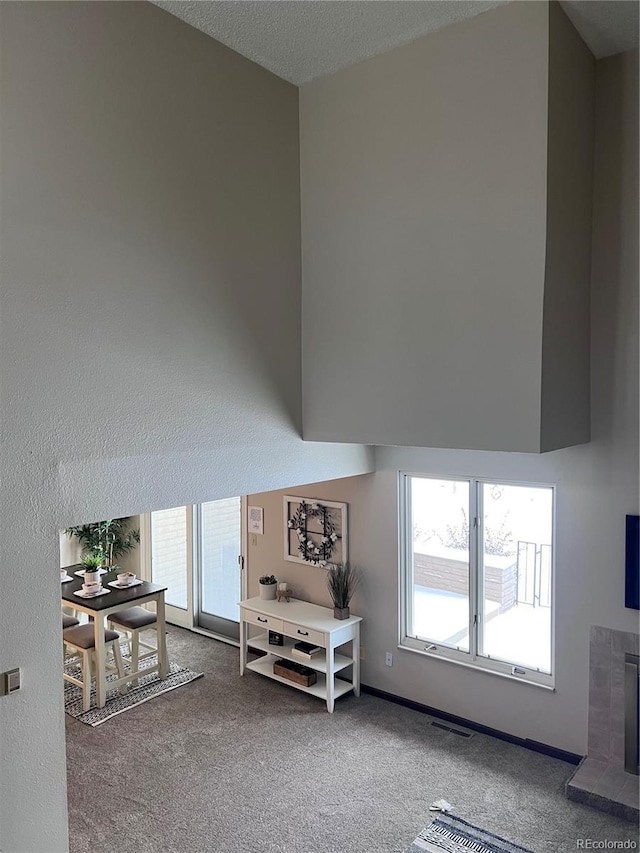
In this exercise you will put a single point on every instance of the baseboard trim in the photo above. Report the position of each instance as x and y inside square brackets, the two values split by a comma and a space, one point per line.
[533, 745]
[204, 632]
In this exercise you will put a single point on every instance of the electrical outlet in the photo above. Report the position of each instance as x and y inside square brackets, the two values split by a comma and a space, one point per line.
[362, 654]
[388, 659]
[254, 540]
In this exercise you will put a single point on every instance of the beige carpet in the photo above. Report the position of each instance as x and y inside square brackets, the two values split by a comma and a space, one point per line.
[229, 764]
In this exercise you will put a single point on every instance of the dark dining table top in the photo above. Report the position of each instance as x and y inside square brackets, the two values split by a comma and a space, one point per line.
[114, 597]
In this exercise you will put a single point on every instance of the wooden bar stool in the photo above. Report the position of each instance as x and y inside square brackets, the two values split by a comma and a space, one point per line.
[81, 640]
[135, 620]
[68, 622]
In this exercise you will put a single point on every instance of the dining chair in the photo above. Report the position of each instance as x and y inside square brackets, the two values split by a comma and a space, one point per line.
[80, 640]
[135, 620]
[69, 621]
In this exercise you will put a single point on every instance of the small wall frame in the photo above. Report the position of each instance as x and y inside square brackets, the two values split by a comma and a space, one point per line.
[315, 531]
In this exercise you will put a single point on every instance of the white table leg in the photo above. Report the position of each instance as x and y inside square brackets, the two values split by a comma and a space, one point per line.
[100, 658]
[356, 662]
[243, 646]
[330, 679]
[163, 658]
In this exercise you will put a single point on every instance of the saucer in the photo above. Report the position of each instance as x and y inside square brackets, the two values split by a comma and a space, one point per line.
[80, 574]
[118, 585]
[66, 579]
[82, 594]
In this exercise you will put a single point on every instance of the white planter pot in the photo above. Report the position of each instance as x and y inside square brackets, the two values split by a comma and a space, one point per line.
[268, 590]
[91, 577]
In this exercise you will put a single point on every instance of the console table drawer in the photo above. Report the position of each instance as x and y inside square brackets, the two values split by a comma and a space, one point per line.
[308, 635]
[263, 621]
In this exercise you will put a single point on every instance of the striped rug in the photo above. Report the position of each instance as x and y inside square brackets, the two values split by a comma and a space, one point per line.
[454, 835]
[149, 686]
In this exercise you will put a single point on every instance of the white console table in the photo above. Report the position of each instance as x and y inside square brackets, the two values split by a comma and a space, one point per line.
[298, 620]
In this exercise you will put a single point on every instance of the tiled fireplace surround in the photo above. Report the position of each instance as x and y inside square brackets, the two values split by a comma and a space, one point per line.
[601, 780]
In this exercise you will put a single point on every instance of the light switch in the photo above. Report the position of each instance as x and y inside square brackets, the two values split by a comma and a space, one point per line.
[12, 681]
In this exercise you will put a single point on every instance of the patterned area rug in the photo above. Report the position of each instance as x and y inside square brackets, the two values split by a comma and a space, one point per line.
[455, 835]
[149, 686]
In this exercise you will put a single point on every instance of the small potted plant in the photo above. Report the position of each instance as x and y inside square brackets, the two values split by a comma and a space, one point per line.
[268, 585]
[91, 563]
[342, 581]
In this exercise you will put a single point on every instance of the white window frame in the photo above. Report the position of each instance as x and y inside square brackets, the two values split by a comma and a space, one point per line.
[470, 658]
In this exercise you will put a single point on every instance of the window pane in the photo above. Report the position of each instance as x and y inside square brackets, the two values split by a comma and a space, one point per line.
[439, 561]
[516, 547]
[169, 553]
[220, 576]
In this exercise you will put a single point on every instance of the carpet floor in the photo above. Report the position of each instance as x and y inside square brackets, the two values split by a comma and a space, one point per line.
[229, 765]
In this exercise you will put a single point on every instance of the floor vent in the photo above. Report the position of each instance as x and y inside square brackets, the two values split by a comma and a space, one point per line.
[453, 731]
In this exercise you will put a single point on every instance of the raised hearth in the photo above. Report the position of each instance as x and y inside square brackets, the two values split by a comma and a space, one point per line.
[601, 780]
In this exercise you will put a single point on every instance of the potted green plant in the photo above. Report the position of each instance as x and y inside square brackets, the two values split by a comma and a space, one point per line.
[342, 581]
[109, 539]
[268, 584]
[91, 563]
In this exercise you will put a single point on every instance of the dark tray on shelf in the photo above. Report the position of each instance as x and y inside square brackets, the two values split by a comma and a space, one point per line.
[296, 672]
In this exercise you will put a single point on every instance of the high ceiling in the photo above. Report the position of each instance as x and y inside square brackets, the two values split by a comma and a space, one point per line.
[300, 40]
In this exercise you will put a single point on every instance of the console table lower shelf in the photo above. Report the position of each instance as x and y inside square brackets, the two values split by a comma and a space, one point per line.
[298, 620]
[264, 666]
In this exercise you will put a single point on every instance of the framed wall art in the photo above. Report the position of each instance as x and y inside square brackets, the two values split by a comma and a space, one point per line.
[315, 532]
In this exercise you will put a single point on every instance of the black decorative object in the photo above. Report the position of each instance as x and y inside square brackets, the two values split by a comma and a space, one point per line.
[632, 563]
[276, 639]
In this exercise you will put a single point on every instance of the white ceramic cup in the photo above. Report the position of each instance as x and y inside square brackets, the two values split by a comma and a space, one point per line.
[126, 578]
[94, 586]
[63, 574]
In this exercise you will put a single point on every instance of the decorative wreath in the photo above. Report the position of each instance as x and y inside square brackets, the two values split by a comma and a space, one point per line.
[316, 550]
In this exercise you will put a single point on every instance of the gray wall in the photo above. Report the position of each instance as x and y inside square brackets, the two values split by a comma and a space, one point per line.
[565, 405]
[446, 198]
[149, 251]
[596, 485]
[150, 319]
[423, 175]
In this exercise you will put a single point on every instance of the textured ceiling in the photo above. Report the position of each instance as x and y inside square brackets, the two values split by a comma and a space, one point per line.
[607, 26]
[304, 39]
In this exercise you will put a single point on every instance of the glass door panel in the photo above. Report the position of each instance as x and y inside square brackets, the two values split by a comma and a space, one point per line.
[220, 540]
[170, 561]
